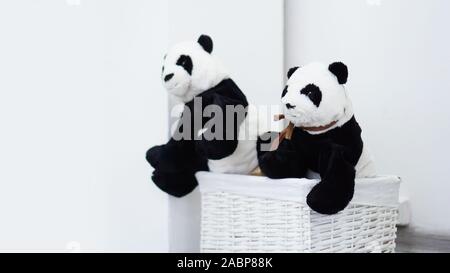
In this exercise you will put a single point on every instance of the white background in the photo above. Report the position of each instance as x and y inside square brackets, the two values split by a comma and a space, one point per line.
[398, 56]
[81, 102]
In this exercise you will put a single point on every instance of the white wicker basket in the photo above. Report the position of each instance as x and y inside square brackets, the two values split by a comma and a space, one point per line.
[258, 214]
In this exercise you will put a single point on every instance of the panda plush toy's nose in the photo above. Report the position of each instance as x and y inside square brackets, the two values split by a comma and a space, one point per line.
[290, 106]
[168, 77]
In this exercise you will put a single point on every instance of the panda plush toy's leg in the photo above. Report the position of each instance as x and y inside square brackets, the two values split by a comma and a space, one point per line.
[172, 156]
[284, 162]
[334, 192]
[175, 165]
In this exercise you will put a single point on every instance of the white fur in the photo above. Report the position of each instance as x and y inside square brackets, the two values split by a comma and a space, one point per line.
[207, 71]
[334, 106]
[365, 166]
[244, 159]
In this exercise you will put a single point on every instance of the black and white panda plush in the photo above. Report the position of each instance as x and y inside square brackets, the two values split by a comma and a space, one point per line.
[326, 137]
[193, 76]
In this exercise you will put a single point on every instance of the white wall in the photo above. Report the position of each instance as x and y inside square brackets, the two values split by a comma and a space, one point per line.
[399, 65]
[80, 105]
[248, 38]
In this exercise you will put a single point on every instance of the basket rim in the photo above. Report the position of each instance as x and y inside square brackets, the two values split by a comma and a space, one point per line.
[376, 191]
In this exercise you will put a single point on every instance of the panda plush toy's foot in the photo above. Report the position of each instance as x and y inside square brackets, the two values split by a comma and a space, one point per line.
[153, 155]
[173, 156]
[177, 184]
[175, 165]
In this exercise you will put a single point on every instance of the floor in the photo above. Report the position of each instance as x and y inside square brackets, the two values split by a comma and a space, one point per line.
[411, 242]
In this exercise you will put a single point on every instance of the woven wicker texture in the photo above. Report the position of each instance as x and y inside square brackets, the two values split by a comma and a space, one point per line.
[234, 222]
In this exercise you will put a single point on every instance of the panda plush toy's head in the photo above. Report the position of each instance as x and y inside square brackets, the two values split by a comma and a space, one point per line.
[315, 98]
[189, 69]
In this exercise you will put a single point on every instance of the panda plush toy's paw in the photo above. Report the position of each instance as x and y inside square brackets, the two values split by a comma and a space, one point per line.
[173, 156]
[284, 162]
[275, 164]
[336, 189]
[177, 184]
[165, 158]
[330, 198]
[153, 155]
[175, 166]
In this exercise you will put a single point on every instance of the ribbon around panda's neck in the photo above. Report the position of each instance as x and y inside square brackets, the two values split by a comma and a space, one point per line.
[287, 132]
[319, 128]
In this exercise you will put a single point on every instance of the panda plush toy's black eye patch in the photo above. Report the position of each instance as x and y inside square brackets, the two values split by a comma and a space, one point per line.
[186, 62]
[313, 93]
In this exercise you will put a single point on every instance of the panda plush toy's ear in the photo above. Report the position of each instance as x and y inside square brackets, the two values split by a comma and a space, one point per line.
[291, 71]
[340, 71]
[206, 42]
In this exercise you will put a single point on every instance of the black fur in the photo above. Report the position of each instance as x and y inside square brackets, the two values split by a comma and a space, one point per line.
[285, 90]
[333, 154]
[206, 42]
[282, 163]
[264, 142]
[291, 71]
[313, 93]
[290, 106]
[168, 77]
[186, 62]
[340, 71]
[176, 162]
[175, 167]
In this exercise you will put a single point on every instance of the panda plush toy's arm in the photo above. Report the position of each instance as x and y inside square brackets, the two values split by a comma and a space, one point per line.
[335, 190]
[221, 141]
[336, 161]
[284, 162]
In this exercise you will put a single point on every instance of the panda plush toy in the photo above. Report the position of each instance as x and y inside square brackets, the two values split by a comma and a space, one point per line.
[194, 77]
[326, 137]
